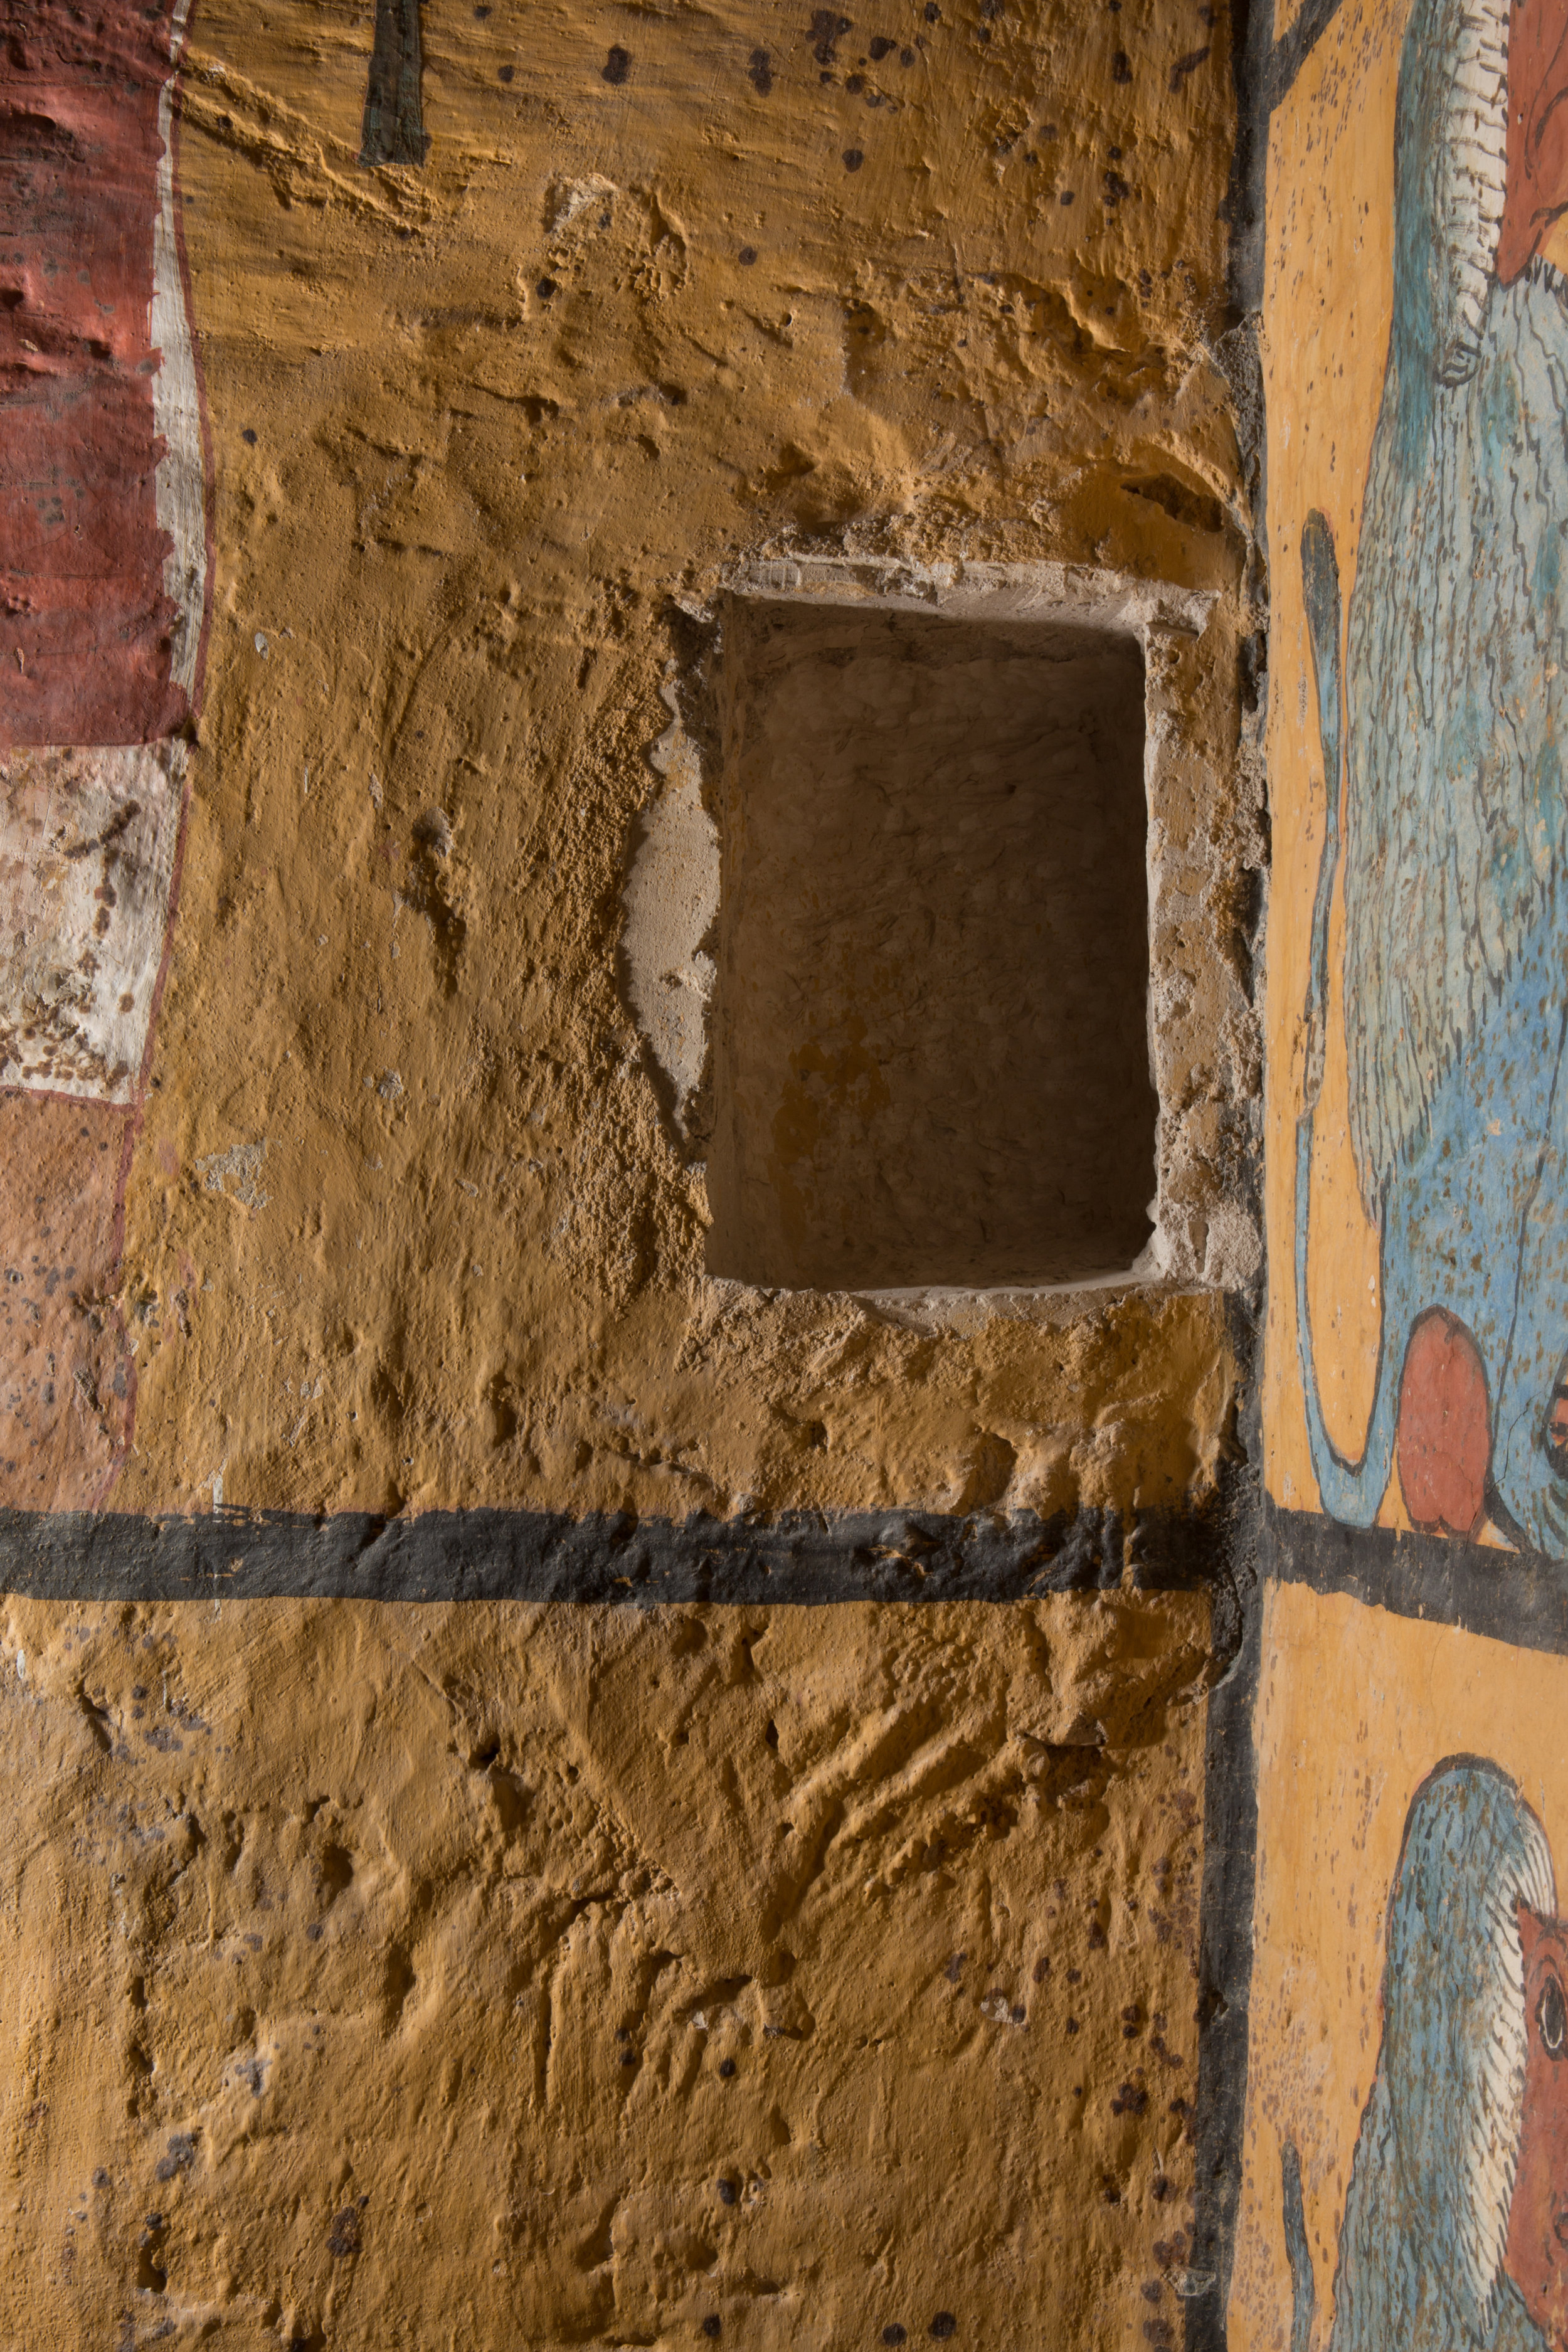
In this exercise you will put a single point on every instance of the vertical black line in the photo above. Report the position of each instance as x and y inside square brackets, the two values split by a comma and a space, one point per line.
[1225, 1979]
[1251, 51]
[1264, 70]
[394, 121]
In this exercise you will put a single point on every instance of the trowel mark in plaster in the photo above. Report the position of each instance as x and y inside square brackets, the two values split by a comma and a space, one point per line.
[671, 900]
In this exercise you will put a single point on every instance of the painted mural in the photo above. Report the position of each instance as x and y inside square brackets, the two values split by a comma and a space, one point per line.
[1438, 693]
[1407, 2128]
[104, 570]
[408, 1933]
[1450, 2228]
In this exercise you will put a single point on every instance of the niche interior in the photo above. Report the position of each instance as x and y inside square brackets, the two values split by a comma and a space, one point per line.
[931, 1031]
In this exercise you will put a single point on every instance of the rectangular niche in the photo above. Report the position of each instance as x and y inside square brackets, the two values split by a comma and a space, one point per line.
[930, 1042]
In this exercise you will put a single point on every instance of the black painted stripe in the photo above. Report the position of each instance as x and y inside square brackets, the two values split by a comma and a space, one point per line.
[393, 130]
[1514, 1597]
[518, 1555]
[1290, 52]
[1225, 1950]
[1265, 71]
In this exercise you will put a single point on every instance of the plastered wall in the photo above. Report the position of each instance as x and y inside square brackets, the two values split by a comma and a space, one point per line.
[475, 430]
[500, 1977]
[376, 1956]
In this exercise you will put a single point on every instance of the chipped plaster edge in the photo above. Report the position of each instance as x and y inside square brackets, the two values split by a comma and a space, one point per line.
[1080, 595]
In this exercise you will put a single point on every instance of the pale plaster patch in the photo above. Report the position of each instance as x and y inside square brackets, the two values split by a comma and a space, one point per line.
[243, 1163]
[87, 860]
[671, 899]
[566, 199]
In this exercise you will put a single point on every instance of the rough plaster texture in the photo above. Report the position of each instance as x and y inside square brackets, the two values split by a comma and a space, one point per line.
[488, 1976]
[475, 426]
[932, 1060]
[409, 1211]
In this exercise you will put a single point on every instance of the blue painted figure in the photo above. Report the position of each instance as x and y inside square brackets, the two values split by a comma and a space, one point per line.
[1453, 2236]
[1452, 718]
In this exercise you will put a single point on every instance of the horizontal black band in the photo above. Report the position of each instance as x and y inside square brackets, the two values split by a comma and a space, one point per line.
[1516, 1597]
[518, 1555]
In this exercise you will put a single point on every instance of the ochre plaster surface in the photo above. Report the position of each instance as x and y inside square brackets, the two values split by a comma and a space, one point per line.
[505, 1976]
[478, 430]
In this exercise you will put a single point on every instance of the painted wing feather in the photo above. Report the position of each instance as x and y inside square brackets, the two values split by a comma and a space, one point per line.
[1457, 674]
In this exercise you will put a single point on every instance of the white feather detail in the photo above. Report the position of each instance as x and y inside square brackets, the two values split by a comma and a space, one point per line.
[1467, 198]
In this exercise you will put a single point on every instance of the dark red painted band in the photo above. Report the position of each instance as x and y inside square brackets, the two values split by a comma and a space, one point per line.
[84, 619]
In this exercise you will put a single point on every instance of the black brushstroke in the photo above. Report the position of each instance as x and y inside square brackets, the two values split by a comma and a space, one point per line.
[1265, 71]
[1251, 36]
[1290, 52]
[606, 1558]
[1226, 1946]
[1520, 1598]
[394, 129]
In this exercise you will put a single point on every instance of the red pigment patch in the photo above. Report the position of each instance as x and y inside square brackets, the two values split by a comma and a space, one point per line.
[1536, 2254]
[1444, 1427]
[82, 555]
[66, 1382]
